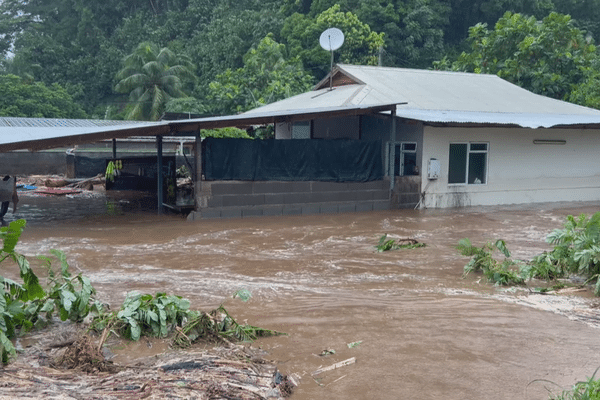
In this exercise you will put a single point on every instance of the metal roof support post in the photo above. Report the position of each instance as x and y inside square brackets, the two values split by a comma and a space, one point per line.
[392, 148]
[114, 143]
[198, 172]
[159, 172]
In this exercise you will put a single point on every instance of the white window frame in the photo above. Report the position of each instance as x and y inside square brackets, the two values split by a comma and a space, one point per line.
[392, 155]
[469, 152]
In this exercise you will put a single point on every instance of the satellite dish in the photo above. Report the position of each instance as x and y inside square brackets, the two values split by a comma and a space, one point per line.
[331, 39]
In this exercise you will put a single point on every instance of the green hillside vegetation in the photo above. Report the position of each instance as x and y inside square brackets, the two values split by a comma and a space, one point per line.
[229, 56]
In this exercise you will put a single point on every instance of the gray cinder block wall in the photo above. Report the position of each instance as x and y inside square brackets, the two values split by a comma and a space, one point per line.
[236, 199]
[407, 191]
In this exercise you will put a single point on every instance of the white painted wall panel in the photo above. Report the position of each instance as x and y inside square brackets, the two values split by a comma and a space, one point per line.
[519, 171]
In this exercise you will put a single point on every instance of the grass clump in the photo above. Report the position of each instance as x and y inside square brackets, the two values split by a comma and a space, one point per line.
[585, 390]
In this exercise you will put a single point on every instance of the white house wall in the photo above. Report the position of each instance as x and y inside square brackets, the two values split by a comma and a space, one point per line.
[518, 171]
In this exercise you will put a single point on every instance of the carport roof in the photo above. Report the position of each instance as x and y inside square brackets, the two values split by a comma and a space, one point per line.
[39, 134]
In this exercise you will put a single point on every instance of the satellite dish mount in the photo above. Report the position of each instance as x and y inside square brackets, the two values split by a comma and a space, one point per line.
[331, 39]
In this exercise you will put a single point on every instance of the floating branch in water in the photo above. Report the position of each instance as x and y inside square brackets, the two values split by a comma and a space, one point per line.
[386, 244]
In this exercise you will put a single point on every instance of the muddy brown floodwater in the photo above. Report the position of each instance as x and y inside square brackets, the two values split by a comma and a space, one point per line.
[426, 332]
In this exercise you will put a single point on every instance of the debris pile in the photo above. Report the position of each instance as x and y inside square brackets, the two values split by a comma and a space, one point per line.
[56, 185]
[80, 371]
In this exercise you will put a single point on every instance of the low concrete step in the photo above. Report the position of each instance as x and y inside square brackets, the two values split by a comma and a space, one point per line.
[290, 209]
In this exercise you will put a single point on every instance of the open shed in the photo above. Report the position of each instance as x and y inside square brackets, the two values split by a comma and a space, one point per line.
[40, 134]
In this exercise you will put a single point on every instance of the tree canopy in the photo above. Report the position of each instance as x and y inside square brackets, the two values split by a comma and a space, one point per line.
[21, 98]
[361, 44]
[79, 45]
[151, 76]
[267, 76]
[548, 57]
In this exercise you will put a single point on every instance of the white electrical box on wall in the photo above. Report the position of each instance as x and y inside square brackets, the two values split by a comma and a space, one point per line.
[433, 168]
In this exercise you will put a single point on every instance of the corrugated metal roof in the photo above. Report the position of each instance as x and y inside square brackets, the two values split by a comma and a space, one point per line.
[37, 134]
[259, 116]
[41, 134]
[439, 96]
[61, 123]
[455, 91]
[525, 120]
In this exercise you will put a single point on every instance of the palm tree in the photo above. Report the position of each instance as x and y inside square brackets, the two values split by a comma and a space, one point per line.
[152, 76]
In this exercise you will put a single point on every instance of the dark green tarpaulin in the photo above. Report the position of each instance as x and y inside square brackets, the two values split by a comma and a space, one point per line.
[292, 160]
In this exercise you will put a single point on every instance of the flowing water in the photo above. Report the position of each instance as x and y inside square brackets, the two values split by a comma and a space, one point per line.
[425, 332]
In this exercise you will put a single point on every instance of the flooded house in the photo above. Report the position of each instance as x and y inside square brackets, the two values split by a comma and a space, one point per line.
[367, 138]
[458, 139]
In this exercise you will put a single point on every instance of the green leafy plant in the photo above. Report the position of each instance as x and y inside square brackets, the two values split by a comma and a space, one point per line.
[24, 305]
[577, 245]
[546, 266]
[386, 244]
[482, 259]
[14, 310]
[183, 172]
[146, 315]
[72, 296]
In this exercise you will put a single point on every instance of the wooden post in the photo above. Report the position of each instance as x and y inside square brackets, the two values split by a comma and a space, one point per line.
[392, 150]
[114, 143]
[159, 172]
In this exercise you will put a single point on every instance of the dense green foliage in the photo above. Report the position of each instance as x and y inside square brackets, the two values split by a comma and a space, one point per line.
[576, 252]
[146, 315]
[548, 57]
[26, 305]
[23, 98]
[249, 52]
[266, 76]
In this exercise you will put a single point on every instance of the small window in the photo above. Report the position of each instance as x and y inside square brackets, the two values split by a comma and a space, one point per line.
[409, 147]
[301, 130]
[467, 163]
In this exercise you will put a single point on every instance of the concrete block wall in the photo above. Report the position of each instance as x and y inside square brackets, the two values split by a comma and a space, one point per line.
[236, 199]
[406, 192]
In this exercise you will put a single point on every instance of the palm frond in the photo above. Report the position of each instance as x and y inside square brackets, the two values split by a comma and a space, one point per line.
[159, 99]
[132, 82]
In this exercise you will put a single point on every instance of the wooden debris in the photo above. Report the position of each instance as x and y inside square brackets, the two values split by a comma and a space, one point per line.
[55, 183]
[335, 366]
[219, 373]
[57, 191]
[87, 183]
